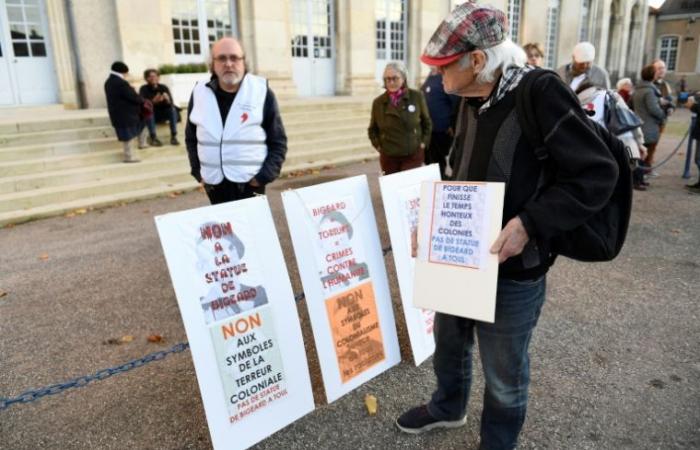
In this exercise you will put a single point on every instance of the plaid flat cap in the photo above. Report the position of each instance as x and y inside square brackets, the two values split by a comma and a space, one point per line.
[468, 27]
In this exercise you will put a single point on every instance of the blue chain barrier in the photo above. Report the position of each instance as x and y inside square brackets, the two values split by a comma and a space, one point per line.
[35, 394]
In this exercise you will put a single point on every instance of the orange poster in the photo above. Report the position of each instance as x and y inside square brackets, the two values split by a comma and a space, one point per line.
[357, 336]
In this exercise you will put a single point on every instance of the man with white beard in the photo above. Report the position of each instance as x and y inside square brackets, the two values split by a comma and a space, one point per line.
[235, 138]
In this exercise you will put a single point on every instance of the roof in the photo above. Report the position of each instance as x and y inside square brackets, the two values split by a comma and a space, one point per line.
[675, 7]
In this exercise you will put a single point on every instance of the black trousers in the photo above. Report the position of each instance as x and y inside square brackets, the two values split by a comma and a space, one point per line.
[440, 143]
[228, 191]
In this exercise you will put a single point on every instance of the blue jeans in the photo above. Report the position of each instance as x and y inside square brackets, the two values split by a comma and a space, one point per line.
[151, 123]
[503, 349]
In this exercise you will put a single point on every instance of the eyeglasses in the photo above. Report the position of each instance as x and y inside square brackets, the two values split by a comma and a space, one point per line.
[222, 59]
[391, 79]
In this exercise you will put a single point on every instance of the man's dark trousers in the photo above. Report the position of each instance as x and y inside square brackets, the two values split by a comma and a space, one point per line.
[440, 143]
[503, 349]
[228, 191]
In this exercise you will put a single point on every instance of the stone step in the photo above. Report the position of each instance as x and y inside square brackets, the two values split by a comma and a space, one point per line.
[71, 120]
[53, 136]
[106, 152]
[129, 195]
[162, 158]
[34, 151]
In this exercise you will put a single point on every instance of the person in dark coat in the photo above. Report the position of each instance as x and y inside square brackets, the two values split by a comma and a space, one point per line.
[164, 109]
[124, 107]
[692, 103]
[400, 125]
[443, 111]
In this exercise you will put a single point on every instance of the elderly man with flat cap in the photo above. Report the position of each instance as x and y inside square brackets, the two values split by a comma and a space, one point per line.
[583, 68]
[479, 63]
[235, 138]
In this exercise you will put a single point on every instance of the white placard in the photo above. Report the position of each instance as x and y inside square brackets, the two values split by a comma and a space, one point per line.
[455, 273]
[340, 261]
[238, 308]
[401, 196]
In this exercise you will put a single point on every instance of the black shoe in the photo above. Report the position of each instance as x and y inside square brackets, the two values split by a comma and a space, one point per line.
[174, 141]
[418, 420]
[154, 142]
[694, 188]
[640, 187]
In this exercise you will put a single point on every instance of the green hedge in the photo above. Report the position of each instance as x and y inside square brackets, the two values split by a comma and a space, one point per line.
[183, 68]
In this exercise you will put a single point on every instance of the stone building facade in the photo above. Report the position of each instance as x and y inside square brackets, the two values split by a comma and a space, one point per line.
[674, 36]
[304, 47]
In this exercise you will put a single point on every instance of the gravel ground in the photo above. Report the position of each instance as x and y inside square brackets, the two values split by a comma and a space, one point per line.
[615, 358]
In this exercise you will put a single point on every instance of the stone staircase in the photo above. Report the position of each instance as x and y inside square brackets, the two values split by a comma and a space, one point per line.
[64, 161]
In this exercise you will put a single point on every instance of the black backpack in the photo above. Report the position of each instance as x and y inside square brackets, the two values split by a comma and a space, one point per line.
[601, 237]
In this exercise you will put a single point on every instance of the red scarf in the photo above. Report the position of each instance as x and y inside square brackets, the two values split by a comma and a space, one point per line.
[395, 97]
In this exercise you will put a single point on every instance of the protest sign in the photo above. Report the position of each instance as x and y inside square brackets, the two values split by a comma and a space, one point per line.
[401, 196]
[238, 309]
[455, 273]
[340, 261]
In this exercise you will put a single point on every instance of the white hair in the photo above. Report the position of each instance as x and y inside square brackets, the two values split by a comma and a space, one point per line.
[498, 58]
[399, 67]
[623, 81]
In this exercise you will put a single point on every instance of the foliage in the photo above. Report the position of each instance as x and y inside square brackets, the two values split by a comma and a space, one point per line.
[183, 68]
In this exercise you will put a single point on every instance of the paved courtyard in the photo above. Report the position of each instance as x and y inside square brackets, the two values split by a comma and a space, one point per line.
[615, 358]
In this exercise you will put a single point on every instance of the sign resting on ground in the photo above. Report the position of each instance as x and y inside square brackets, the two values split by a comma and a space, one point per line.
[340, 260]
[238, 308]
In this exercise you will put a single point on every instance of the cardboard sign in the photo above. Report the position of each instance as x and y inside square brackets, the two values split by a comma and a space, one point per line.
[342, 270]
[238, 309]
[455, 273]
[401, 196]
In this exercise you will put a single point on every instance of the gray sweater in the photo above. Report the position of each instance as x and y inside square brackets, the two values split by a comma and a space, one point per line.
[645, 102]
[595, 74]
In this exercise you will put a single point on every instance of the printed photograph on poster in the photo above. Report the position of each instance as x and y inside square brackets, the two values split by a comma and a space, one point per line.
[356, 330]
[230, 275]
[340, 258]
[458, 223]
[249, 361]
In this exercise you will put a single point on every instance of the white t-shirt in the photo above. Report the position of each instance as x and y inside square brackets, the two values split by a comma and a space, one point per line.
[576, 81]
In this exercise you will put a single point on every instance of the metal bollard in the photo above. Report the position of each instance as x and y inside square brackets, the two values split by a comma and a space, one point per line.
[689, 152]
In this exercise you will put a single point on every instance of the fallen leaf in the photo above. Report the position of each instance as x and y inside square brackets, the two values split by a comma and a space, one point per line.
[173, 195]
[201, 189]
[315, 171]
[371, 404]
[2, 294]
[112, 341]
[10, 225]
[44, 256]
[155, 338]
[126, 339]
[676, 231]
[70, 214]
[80, 211]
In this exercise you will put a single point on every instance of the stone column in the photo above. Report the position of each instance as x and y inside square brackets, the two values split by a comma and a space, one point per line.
[61, 50]
[266, 36]
[568, 30]
[623, 42]
[424, 16]
[601, 46]
[145, 34]
[533, 23]
[355, 47]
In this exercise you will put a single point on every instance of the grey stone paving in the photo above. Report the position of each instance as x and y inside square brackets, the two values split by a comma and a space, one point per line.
[615, 358]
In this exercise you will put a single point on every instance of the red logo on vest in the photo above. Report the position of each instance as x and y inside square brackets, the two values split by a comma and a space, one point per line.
[244, 117]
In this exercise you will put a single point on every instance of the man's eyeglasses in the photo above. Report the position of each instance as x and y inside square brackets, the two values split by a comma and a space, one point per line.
[221, 59]
[391, 79]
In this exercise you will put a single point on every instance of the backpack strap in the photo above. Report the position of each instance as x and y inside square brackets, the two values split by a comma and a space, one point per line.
[526, 112]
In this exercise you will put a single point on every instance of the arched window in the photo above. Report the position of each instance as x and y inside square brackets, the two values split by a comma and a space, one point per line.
[550, 57]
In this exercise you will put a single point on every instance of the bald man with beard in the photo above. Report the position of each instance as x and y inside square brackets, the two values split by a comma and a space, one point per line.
[235, 138]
